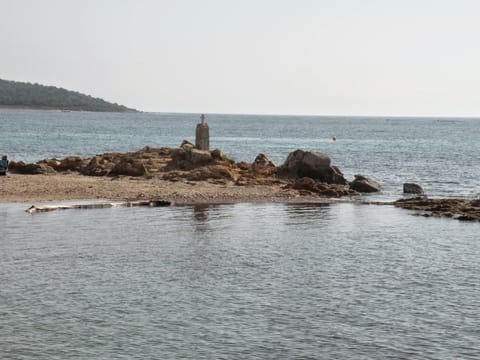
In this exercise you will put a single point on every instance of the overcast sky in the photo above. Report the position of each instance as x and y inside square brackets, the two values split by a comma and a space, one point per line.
[345, 57]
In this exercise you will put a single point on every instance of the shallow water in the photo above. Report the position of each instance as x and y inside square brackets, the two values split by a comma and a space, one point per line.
[238, 281]
[265, 281]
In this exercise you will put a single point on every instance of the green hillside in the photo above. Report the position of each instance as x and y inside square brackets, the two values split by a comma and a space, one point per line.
[26, 95]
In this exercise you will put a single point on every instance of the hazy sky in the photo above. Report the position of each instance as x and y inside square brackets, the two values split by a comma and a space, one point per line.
[361, 57]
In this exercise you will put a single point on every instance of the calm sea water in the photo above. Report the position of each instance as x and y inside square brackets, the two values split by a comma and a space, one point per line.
[267, 281]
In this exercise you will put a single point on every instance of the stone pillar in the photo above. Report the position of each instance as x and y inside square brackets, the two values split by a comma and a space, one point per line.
[202, 136]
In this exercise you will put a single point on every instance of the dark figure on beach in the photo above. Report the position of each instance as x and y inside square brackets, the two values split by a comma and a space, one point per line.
[3, 165]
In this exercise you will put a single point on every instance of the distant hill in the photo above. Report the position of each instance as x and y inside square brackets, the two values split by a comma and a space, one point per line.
[26, 95]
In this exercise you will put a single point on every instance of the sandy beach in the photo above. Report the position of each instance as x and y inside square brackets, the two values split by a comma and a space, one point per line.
[72, 186]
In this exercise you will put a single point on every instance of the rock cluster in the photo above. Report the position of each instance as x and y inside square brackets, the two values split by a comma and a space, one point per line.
[29, 169]
[309, 186]
[460, 209]
[303, 172]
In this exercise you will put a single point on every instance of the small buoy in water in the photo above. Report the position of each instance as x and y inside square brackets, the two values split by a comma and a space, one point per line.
[334, 138]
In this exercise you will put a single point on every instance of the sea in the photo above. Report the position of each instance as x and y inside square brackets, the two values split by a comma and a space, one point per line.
[248, 280]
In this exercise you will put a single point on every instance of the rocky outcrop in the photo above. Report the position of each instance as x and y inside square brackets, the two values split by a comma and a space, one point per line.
[205, 173]
[129, 167]
[362, 184]
[411, 188]
[218, 155]
[217, 172]
[187, 157]
[29, 169]
[303, 173]
[314, 165]
[460, 209]
[197, 158]
[263, 161]
[71, 163]
[309, 186]
[97, 166]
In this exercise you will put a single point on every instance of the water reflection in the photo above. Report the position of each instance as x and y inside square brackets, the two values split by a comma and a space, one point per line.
[200, 212]
[308, 213]
[201, 217]
[238, 218]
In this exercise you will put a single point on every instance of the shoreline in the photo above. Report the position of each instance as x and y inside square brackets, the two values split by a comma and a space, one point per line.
[18, 188]
[70, 187]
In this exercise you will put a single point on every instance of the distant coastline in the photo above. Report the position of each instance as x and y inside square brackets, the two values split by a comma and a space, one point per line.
[47, 108]
[23, 95]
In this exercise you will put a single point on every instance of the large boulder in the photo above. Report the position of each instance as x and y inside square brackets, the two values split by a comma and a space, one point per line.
[411, 188]
[187, 158]
[363, 184]
[198, 157]
[315, 165]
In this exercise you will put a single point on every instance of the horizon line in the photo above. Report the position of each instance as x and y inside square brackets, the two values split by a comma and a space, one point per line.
[318, 115]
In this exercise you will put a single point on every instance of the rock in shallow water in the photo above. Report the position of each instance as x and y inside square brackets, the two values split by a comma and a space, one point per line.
[363, 184]
[411, 188]
[460, 209]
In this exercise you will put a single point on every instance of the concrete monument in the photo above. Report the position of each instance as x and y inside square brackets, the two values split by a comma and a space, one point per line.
[202, 136]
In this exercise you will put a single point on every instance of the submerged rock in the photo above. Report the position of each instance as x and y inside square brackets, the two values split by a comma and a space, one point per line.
[460, 209]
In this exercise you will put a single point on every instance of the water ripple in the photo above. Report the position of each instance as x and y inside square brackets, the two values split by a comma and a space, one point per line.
[238, 281]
